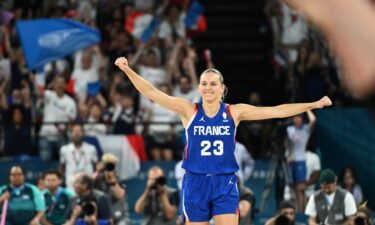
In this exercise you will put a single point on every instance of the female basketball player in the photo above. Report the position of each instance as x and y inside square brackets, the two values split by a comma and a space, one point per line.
[209, 185]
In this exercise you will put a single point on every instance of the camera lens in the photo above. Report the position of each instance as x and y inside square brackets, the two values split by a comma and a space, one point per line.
[88, 209]
[109, 167]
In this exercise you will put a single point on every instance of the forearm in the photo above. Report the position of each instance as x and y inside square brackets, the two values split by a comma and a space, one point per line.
[141, 202]
[349, 221]
[118, 191]
[169, 209]
[312, 221]
[45, 221]
[141, 84]
[287, 110]
[39, 216]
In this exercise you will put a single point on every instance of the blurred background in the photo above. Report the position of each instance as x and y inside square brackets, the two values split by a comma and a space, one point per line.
[267, 52]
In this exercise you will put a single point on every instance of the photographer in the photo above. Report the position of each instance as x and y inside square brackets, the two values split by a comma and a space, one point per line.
[107, 181]
[363, 216]
[286, 215]
[90, 206]
[158, 203]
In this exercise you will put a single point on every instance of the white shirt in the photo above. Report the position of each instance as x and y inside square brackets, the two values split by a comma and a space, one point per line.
[161, 114]
[192, 95]
[165, 29]
[312, 165]
[155, 76]
[245, 161]
[83, 77]
[56, 109]
[298, 138]
[179, 173]
[350, 206]
[77, 160]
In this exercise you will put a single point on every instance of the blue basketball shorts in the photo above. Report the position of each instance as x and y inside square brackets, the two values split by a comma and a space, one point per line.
[298, 171]
[206, 195]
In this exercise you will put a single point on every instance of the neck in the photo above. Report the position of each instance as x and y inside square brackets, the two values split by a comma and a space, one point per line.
[78, 145]
[211, 109]
[53, 191]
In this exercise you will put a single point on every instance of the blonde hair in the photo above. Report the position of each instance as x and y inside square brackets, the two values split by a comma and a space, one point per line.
[221, 79]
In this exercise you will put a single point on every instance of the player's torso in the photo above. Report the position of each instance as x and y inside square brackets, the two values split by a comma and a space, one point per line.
[210, 143]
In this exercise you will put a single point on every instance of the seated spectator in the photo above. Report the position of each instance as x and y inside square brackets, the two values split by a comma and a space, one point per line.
[348, 181]
[285, 216]
[77, 156]
[158, 202]
[56, 198]
[89, 206]
[107, 181]
[25, 201]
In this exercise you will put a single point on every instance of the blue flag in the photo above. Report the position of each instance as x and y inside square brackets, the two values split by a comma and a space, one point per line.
[45, 40]
[195, 10]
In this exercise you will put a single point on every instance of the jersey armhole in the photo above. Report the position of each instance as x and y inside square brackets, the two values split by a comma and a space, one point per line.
[228, 111]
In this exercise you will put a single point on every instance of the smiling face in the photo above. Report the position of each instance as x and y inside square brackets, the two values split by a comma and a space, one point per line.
[211, 87]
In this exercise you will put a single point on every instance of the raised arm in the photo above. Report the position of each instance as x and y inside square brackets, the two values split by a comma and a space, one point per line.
[248, 112]
[312, 118]
[179, 105]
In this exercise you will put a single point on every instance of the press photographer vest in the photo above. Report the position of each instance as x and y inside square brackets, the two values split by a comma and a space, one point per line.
[334, 215]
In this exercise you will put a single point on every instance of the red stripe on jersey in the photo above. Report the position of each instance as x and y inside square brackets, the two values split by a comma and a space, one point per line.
[228, 111]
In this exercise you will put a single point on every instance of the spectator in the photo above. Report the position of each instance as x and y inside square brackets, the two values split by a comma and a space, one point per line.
[348, 181]
[158, 203]
[87, 66]
[286, 215]
[25, 201]
[56, 199]
[245, 162]
[107, 181]
[247, 203]
[331, 204]
[298, 135]
[173, 26]
[95, 126]
[313, 167]
[77, 156]
[363, 216]
[160, 136]
[90, 206]
[17, 126]
[124, 116]
[59, 109]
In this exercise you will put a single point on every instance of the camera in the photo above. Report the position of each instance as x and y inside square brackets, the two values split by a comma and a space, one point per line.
[360, 220]
[282, 220]
[109, 166]
[88, 205]
[160, 181]
[88, 208]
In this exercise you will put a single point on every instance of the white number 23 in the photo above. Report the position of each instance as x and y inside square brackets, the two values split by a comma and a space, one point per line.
[218, 148]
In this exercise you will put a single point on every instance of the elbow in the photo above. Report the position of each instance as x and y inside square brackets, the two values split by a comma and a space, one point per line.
[170, 214]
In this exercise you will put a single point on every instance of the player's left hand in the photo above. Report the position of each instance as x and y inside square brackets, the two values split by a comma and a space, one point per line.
[323, 102]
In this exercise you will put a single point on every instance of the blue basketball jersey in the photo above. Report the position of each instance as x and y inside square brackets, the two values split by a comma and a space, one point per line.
[210, 143]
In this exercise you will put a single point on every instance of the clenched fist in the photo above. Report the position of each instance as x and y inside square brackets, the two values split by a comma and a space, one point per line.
[323, 102]
[122, 63]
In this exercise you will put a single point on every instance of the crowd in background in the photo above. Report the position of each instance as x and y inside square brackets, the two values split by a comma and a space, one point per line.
[40, 108]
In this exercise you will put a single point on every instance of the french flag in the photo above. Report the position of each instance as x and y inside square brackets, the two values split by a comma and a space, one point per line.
[141, 25]
[130, 150]
[195, 20]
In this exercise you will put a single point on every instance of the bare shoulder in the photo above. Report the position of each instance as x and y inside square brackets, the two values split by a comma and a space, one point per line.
[189, 111]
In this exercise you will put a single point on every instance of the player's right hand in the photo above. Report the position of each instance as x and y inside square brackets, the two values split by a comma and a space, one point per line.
[122, 63]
